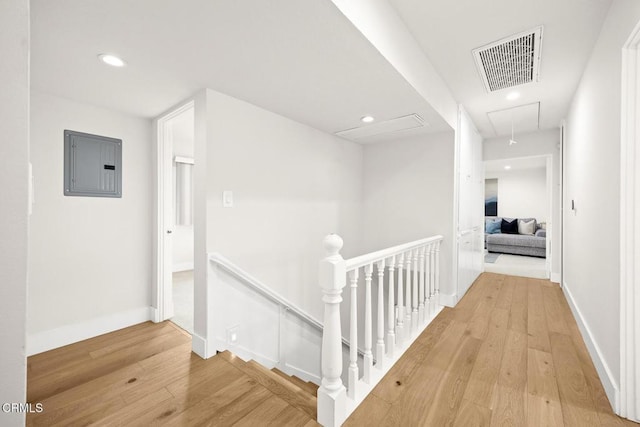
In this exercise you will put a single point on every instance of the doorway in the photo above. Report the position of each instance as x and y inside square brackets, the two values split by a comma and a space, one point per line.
[518, 189]
[175, 234]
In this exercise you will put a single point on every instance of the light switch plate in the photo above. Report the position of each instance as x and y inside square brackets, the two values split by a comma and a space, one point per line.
[227, 199]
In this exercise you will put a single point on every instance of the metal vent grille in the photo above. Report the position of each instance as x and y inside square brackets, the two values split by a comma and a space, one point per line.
[510, 62]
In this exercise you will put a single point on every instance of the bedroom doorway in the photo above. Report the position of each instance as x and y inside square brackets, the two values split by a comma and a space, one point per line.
[518, 214]
[175, 233]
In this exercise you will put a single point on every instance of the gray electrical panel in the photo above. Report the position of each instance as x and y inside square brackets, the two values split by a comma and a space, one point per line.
[92, 165]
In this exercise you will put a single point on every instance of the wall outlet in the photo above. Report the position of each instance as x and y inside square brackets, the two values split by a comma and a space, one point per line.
[232, 335]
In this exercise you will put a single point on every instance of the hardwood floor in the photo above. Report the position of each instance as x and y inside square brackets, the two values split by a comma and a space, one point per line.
[146, 375]
[509, 354]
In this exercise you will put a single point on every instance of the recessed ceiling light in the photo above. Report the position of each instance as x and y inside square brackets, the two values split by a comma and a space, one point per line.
[513, 96]
[507, 167]
[367, 119]
[112, 60]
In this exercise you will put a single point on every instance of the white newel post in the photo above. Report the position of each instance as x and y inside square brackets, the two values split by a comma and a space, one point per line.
[332, 394]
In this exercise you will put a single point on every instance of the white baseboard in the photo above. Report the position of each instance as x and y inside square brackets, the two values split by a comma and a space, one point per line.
[450, 300]
[69, 334]
[608, 381]
[199, 346]
[302, 374]
[555, 277]
[183, 266]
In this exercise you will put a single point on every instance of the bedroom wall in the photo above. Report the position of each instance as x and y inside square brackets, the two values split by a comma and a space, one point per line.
[538, 143]
[14, 151]
[89, 257]
[407, 195]
[522, 193]
[592, 179]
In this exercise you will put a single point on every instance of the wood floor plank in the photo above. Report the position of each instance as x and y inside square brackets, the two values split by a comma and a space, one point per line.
[506, 295]
[509, 407]
[451, 388]
[369, 415]
[543, 407]
[514, 359]
[487, 365]
[555, 318]
[264, 413]
[396, 379]
[536, 318]
[519, 307]
[472, 415]
[577, 405]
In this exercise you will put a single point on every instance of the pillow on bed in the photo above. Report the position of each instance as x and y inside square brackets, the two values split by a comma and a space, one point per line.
[509, 227]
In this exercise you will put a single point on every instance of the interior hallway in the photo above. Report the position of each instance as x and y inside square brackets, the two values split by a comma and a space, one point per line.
[508, 354]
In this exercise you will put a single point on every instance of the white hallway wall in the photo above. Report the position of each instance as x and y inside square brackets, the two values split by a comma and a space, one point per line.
[292, 185]
[536, 144]
[14, 151]
[592, 179]
[522, 193]
[89, 257]
[408, 195]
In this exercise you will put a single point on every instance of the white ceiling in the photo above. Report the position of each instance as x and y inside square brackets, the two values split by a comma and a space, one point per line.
[535, 162]
[303, 60]
[448, 31]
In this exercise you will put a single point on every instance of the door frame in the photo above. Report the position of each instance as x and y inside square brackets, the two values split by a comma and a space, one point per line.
[629, 402]
[163, 270]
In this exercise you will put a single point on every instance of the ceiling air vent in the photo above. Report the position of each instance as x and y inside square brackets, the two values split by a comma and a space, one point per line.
[510, 62]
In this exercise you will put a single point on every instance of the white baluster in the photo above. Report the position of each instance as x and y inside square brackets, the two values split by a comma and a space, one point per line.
[368, 356]
[353, 336]
[407, 296]
[401, 334]
[427, 284]
[391, 335]
[331, 394]
[414, 311]
[437, 279]
[432, 258]
[380, 342]
[421, 317]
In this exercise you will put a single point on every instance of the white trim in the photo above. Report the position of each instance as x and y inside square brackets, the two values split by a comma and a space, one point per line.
[199, 346]
[556, 277]
[183, 266]
[164, 164]
[606, 377]
[69, 334]
[629, 406]
[302, 374]
[449, 300]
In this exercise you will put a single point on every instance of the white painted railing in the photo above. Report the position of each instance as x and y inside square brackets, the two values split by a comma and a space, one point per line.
[411, 273]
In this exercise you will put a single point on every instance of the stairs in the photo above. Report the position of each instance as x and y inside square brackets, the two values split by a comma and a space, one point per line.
[297, 393]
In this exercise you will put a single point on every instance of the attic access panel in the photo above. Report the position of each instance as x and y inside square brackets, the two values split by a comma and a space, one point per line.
[92, 165]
